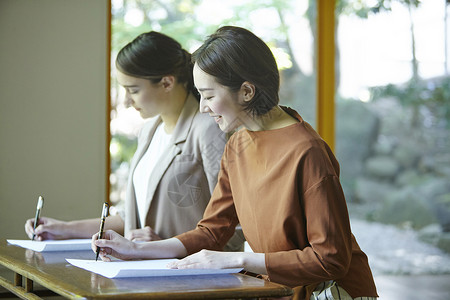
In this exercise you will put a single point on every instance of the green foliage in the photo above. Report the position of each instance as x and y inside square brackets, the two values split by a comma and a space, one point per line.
[122, 149]
[431, 94]
[440, 103]
[363, 9]
[177, 18]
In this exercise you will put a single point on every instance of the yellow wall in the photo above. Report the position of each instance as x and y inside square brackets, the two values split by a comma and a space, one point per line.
[53, 99]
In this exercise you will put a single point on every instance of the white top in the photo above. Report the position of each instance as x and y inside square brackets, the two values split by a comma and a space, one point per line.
[144, 169]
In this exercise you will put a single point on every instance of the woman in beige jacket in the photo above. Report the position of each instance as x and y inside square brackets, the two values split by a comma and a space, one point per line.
[174, 169]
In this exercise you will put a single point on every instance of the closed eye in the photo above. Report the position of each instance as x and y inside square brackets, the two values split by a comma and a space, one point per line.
[207, 98]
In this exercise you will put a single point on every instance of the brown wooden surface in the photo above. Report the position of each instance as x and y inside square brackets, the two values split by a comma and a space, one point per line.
[50, 270]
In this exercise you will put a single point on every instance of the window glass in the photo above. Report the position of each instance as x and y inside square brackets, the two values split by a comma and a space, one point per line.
[392, 107]
[392, 126]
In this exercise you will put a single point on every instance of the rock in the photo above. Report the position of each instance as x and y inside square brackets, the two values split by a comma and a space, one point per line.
[430, 233]
[442, 210]
[427, 164]
[407, 154]
[406, 207]
[371, 190]
[411, 177]
[444, 242]
[433, 234]
[383, 147]
[385, 167]
[356, 131]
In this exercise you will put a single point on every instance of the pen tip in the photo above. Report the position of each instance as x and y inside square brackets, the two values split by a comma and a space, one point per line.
[40, 202]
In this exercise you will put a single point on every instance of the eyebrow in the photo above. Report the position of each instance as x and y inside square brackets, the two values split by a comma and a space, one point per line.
[205, 89]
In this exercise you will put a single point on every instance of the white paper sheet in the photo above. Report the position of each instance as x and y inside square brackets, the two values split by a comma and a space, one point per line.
[141, 268]
[54, 245]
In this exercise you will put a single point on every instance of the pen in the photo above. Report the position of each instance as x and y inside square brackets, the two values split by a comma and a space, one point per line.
[38, 212]
[102, 224]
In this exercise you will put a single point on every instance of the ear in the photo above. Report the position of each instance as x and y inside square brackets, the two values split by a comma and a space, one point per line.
[168, 82]
[248, 91]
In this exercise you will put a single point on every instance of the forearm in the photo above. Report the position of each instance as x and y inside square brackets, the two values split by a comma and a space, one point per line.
[86, 228]
[168, 248]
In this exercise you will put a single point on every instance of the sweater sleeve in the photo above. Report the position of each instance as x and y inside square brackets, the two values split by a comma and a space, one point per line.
[328, 253]
[219, 220]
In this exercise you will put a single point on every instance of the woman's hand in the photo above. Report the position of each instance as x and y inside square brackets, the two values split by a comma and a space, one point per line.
[115, 245]
[145, 234]
[206, 259]
[47, 229]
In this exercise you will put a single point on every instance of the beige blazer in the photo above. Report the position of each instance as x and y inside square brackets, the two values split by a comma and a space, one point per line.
[182, 181]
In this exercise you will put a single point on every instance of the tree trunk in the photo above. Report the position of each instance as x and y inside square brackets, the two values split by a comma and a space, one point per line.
[415, 64]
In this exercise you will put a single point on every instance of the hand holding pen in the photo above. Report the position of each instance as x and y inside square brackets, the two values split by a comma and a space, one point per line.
[102, 225]
[39, 206]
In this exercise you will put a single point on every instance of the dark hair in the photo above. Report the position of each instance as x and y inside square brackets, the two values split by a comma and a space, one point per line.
[234, 55]
[153, 55]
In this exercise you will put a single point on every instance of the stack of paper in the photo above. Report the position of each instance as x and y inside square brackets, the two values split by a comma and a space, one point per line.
[142, 268]
[53, 245]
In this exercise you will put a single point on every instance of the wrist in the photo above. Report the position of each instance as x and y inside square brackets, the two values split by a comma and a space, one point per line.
[143, 250]
[68, 230]
[254, 262]
[241, 261]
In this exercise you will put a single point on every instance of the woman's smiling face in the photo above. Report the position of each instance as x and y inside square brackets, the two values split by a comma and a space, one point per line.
[218, 101]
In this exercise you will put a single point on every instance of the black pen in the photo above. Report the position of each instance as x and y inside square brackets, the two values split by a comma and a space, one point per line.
[102, 224]
[38, 213]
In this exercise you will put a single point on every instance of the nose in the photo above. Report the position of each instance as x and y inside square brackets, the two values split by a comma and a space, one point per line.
[204, 108]
[128, 100]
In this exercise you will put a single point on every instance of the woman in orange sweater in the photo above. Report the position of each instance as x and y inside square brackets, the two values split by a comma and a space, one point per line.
[278, 179]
